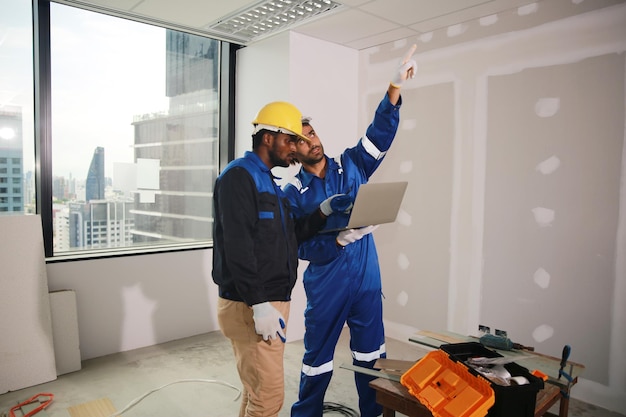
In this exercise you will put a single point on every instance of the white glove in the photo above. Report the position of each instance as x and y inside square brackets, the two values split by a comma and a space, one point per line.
[346, 237]
[268, 322]
[406, 69]
[337, 202]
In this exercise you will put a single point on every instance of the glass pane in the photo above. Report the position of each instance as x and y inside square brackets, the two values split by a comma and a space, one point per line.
[16, 108]
[134, 133]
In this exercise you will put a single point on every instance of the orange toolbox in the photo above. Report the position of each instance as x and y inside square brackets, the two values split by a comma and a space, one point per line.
[447, 387]
[444, 383]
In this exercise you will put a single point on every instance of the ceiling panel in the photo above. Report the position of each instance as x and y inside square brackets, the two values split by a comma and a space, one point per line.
[115, 4]
[191, 13]
[465, 15]
[346, 26]
[382, 38]
[357, 24]
[406, 12]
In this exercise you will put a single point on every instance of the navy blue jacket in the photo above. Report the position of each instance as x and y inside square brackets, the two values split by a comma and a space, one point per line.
[255, 237]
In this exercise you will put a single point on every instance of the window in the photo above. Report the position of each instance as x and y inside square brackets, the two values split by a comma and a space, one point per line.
[16, 107]
[132, 145]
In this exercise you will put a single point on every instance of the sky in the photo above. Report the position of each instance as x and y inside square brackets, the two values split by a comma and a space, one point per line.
[105, 70]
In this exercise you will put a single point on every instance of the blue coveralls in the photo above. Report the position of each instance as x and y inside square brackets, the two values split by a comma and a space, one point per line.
[342, 284]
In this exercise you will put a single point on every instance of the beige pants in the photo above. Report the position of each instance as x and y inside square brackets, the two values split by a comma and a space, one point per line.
[259, 362]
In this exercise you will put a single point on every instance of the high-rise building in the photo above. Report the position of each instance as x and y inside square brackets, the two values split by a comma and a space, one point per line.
[182, 141]
[98, 224]
[11, 160]
[95, 177]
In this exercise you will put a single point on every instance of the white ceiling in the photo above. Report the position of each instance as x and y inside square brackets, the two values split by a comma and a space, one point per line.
[357, 24]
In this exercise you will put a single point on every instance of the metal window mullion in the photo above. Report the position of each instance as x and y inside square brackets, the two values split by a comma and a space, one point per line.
[43, 125]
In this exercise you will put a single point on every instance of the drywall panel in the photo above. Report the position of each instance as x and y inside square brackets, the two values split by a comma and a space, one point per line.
[26, 347]
[553, 167]
[414, 251]
[129, 302]
[65, 331]
[262, 77]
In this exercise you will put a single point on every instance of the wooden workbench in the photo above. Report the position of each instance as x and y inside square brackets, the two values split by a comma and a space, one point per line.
[394, 397]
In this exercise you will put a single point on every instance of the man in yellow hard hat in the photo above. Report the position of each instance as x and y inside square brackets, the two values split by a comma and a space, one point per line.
[255, 255]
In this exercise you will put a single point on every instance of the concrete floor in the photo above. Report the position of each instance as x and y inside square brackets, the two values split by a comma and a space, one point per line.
[126, 376]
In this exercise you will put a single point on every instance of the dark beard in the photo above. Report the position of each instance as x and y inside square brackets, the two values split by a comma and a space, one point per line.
[278, 162]
[311, 160]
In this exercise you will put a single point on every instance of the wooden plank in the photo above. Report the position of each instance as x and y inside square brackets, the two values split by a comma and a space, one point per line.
[443, 337]
[394, 397]
[546, 398]
[97, 408]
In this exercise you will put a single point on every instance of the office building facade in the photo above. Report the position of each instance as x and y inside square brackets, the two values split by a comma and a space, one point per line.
[184, 142]
[11, 160]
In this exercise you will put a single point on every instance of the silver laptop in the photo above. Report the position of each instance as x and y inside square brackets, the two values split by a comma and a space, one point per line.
[375, 203]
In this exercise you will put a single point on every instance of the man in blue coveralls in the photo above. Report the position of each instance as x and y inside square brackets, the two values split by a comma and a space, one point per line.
[342, 281]
[255, 244]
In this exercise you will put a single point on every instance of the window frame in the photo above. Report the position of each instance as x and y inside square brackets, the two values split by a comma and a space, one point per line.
[43, 126]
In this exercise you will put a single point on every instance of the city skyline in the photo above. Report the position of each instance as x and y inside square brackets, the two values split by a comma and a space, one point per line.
[85, 45]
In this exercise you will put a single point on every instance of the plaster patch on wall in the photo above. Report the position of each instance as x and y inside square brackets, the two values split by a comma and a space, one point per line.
[547, 107]
[409, 124]
[549, 165]
[527, 9]
[402, 298]
[406, 167]
[138, 314]
[542, 278]
[426, 37]
[577, 1]
[543, 216]
[403, 261]
[543, 333]
[404, 218]
[456, 30]
[488, 20]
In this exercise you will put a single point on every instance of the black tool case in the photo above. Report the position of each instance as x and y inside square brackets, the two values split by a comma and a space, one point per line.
[510, 401]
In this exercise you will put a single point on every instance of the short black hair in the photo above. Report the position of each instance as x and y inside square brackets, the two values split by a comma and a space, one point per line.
[258, 137]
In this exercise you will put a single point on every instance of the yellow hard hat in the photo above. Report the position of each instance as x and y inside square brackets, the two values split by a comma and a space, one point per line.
[280, 116]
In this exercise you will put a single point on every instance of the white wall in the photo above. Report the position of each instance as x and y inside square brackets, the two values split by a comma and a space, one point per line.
[263, 74]
[136, 301]
[513, 146]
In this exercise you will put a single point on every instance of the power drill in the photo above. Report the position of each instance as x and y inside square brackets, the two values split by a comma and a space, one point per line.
[501, 342]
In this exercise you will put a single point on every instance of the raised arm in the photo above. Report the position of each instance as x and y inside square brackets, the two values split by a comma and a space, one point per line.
[406, 69]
